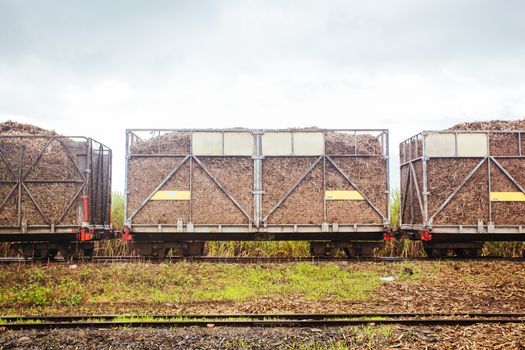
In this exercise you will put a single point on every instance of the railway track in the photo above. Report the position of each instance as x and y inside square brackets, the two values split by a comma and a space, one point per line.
[247, 260]
[258, 320]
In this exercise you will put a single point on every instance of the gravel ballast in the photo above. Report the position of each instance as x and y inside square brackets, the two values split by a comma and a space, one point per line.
[367, 337]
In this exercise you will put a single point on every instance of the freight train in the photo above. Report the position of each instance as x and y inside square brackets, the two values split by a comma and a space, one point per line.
[186, 187]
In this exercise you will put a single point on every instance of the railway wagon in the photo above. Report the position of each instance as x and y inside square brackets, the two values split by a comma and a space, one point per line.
[186, 187]
[460, 188]
[55, 192]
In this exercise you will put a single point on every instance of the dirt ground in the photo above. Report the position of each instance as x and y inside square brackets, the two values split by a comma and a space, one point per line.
[295, 287]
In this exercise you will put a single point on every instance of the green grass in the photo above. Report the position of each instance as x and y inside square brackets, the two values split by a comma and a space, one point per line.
[156, 284]
[262, 249]
[395, 208]
[509, 249]
[328, 344]
[238, 283]
[117, 210]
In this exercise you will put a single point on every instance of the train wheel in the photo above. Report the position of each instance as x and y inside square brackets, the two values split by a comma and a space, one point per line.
[36, 253]
[87, 253]
[349, 252]
[468, 252]
[321, 249]
[460, 253]
[429, 252]
[52, 254]
[193, 249]
[436, 252]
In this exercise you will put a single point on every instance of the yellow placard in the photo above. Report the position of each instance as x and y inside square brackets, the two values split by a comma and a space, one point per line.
[171, 196]
[343, 196]
[507, 197]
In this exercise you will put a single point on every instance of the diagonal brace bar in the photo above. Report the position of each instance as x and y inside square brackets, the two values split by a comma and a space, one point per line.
[144, 202]
[507, 174]
[404, 194]
[9, 196]
[71, 203]
[293, 188]
[456, 190]
[70, 157]
[356, 187]
[8, 165]
[37, 158]
[36, 204]
[413, 171]
[214, 179]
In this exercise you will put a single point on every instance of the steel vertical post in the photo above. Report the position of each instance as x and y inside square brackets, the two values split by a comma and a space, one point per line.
[489, 188]
[20, 166]
[424, 169]
[324, 188]
[257, 178]
[126, 159]
[488, 177]
[191, 188]
[386, 152]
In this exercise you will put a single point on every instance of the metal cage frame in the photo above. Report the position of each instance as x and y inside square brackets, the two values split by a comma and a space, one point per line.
[257, 227]
[91, 182]
[414, 149]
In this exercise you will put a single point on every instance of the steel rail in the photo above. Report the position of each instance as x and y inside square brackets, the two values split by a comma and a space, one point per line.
[255, 260]
[284, 316]
[258, 320]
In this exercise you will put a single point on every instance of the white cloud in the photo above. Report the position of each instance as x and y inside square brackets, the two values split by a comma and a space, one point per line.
[404, 65]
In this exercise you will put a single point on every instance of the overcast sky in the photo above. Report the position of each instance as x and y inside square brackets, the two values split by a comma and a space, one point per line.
[96, 68]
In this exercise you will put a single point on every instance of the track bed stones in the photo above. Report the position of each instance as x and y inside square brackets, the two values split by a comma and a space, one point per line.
[367, 337]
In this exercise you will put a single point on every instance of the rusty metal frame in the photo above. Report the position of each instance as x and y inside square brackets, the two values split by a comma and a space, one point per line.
[14, 176]
[9, 195]
[68, 154]
[31, 168]
[99, 184]
[100, 180]
[73, 199]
